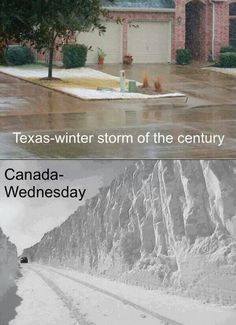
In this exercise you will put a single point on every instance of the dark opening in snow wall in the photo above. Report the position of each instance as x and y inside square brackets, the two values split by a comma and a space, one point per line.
[8, 264]
[159, 224]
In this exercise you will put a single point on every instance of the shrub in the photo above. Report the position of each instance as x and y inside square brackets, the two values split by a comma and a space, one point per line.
[227, 49]
[2, 57]
[18, 55]
[183, 56]
[74, 55]
[228, 60]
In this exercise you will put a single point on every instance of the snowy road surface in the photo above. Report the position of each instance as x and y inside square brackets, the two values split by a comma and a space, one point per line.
[61, 296]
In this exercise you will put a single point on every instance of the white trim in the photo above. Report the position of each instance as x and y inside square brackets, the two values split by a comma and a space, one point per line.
[170, 40]
[213, 29]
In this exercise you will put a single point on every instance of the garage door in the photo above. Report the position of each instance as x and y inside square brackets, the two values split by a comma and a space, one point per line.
[150, 42]
[110, 43]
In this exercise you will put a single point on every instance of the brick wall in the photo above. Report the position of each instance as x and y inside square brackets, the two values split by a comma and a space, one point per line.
[221, 26]
[206, 41]
[129, 17]
[221, 29]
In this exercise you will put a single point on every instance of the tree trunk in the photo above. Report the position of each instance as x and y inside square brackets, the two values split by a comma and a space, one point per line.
[2, 54]
[51, 51]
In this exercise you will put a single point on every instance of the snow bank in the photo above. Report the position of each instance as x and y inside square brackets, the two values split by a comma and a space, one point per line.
[8, 264]
[161, 224]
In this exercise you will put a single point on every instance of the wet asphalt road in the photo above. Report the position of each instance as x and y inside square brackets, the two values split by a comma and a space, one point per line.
[211, 109]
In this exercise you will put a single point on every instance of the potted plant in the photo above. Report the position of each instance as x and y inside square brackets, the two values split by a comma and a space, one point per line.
[101, 56]
[128, 59]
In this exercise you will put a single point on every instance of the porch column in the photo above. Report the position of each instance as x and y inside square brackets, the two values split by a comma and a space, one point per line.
[179, 24]
[221, 30]
[125, 38]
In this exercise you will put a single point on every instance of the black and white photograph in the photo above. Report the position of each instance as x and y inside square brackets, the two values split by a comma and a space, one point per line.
[118, 242]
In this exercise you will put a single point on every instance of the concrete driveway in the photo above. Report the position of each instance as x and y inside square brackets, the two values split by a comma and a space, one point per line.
[211, 109]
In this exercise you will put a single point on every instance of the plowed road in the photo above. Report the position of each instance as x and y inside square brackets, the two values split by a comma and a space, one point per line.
[65, 297]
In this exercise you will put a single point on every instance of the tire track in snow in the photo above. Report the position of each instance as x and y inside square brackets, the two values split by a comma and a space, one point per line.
[165, 320]
[68, 302]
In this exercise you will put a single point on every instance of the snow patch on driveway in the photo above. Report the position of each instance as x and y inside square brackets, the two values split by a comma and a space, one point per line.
[108, 94]
[32, 74]
[41, 72]
[230, 71]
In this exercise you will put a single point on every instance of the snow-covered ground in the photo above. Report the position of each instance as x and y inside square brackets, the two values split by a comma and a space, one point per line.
[62, 296]
[40, 304]
[230, 71]
[108, 94]
[34, 74]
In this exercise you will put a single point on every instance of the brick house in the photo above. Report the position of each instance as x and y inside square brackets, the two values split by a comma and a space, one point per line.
[152, 30]
[204, 26]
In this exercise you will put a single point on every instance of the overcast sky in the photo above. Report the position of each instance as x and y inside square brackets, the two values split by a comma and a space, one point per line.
[26, 220]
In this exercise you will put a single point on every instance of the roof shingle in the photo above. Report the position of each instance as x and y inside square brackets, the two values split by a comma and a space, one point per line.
[147, 4]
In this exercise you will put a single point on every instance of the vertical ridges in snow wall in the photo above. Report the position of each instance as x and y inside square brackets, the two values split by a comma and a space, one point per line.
[160, 223]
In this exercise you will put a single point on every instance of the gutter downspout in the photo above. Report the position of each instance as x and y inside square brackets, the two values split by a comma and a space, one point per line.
[213, 30]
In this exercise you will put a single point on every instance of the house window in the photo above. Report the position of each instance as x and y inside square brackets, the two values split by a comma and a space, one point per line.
[232, 9]
[232, 24]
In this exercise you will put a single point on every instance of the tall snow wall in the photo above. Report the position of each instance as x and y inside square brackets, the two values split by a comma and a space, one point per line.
[168, 224]
[8, 264]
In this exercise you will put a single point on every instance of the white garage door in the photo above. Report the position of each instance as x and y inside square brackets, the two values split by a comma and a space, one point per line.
[110, 43]
[150, 42]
